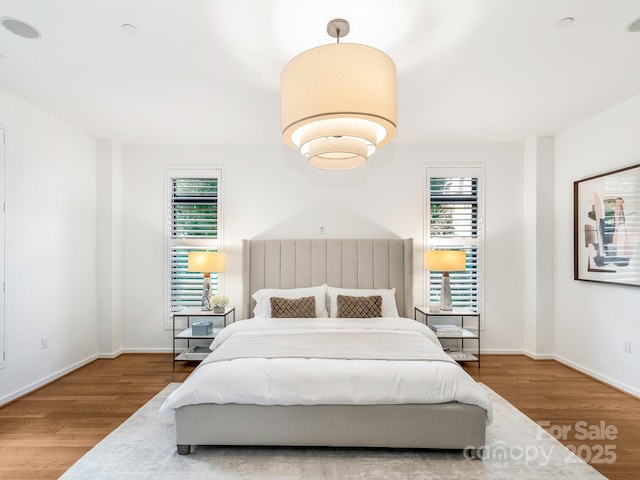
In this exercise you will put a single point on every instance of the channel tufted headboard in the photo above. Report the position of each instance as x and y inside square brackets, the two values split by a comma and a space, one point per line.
[347, 263]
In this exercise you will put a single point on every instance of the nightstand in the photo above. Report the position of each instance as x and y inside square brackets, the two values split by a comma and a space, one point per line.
[456, 331]
[196, 353]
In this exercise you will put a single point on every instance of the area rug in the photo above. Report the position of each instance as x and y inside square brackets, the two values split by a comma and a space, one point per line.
[143, 447]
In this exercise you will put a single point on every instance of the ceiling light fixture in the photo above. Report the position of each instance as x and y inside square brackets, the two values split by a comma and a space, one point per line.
[20, 28]
[338, 102]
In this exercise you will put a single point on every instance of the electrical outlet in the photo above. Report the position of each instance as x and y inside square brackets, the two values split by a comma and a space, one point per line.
[44, 342]
[626, 346]
[322, 230]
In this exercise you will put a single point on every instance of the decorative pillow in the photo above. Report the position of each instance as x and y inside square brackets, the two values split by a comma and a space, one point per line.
[359, 307]
[263, 296]
[389, 308]
[304, 307]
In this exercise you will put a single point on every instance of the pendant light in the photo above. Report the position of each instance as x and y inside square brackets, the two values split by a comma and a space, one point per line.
[338, 102]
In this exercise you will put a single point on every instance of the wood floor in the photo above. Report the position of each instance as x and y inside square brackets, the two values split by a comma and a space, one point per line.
[44, 433]
[573, 406]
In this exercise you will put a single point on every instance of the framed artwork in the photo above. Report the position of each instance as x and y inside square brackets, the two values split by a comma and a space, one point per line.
[607, 227]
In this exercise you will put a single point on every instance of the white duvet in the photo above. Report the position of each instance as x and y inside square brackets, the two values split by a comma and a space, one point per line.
[314, 381]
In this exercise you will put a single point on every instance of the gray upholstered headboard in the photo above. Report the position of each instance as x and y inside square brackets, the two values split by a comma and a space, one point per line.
[347, 263]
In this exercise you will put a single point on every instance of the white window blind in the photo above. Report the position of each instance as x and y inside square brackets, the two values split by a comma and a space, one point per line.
[454, 214]
[194, 224]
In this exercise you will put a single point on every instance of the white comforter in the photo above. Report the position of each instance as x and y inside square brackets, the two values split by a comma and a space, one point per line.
[313, 381]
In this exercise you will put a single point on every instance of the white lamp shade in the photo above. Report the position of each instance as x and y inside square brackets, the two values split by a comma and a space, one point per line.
[206, 261]
[339, 104]
[445, 260]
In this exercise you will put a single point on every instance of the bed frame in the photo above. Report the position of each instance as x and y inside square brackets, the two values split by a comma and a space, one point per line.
[347, 263]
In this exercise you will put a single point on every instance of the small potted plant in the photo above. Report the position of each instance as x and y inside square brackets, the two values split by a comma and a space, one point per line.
[219, 302]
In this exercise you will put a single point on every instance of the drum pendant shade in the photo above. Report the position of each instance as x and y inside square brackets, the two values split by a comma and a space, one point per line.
[339, 104]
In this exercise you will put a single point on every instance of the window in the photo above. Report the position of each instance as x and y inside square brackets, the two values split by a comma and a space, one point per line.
[454, 222]
[194, 214]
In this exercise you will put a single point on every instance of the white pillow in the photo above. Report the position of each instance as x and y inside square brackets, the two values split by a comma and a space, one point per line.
[263, 299]
[389, 308]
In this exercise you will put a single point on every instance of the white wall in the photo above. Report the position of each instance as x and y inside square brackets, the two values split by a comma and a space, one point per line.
[109, 256]
[592, 319]
[50, 246]
[538, 222]
[270, 191]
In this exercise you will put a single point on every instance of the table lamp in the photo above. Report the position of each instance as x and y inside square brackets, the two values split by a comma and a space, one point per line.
[445, 261]
[206, 262]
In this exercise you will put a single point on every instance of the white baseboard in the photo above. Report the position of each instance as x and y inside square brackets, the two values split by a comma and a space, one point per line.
[48, 379]
[539, 356]
[549, 356]
[111, 356]
[147, 350]
[603, 378]
[534, 356]
[498, 352]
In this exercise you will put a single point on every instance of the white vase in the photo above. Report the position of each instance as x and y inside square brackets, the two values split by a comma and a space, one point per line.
[218, 309]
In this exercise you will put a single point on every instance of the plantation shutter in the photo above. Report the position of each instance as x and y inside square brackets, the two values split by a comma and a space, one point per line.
[194, 204]
[193, 225]
[453, 223]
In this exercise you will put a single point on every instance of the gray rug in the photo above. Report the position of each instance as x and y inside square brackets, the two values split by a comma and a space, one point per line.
[144, 447]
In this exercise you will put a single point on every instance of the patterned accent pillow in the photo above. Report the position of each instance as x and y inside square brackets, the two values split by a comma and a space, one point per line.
[359, 307]
[304, 307]
[389, 307]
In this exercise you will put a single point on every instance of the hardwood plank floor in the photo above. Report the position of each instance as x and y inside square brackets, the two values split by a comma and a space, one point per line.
[570, 406]
[44, 433]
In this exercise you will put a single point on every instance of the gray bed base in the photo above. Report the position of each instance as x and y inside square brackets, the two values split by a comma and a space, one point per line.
[438, 426]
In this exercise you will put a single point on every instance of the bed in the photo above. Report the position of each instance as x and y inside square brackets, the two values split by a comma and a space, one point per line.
[300, 381]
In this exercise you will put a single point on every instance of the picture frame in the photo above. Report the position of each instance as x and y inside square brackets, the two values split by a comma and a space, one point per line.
[607, 227]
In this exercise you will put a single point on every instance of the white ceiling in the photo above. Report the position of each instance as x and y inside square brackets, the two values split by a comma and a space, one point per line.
[208, 71]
